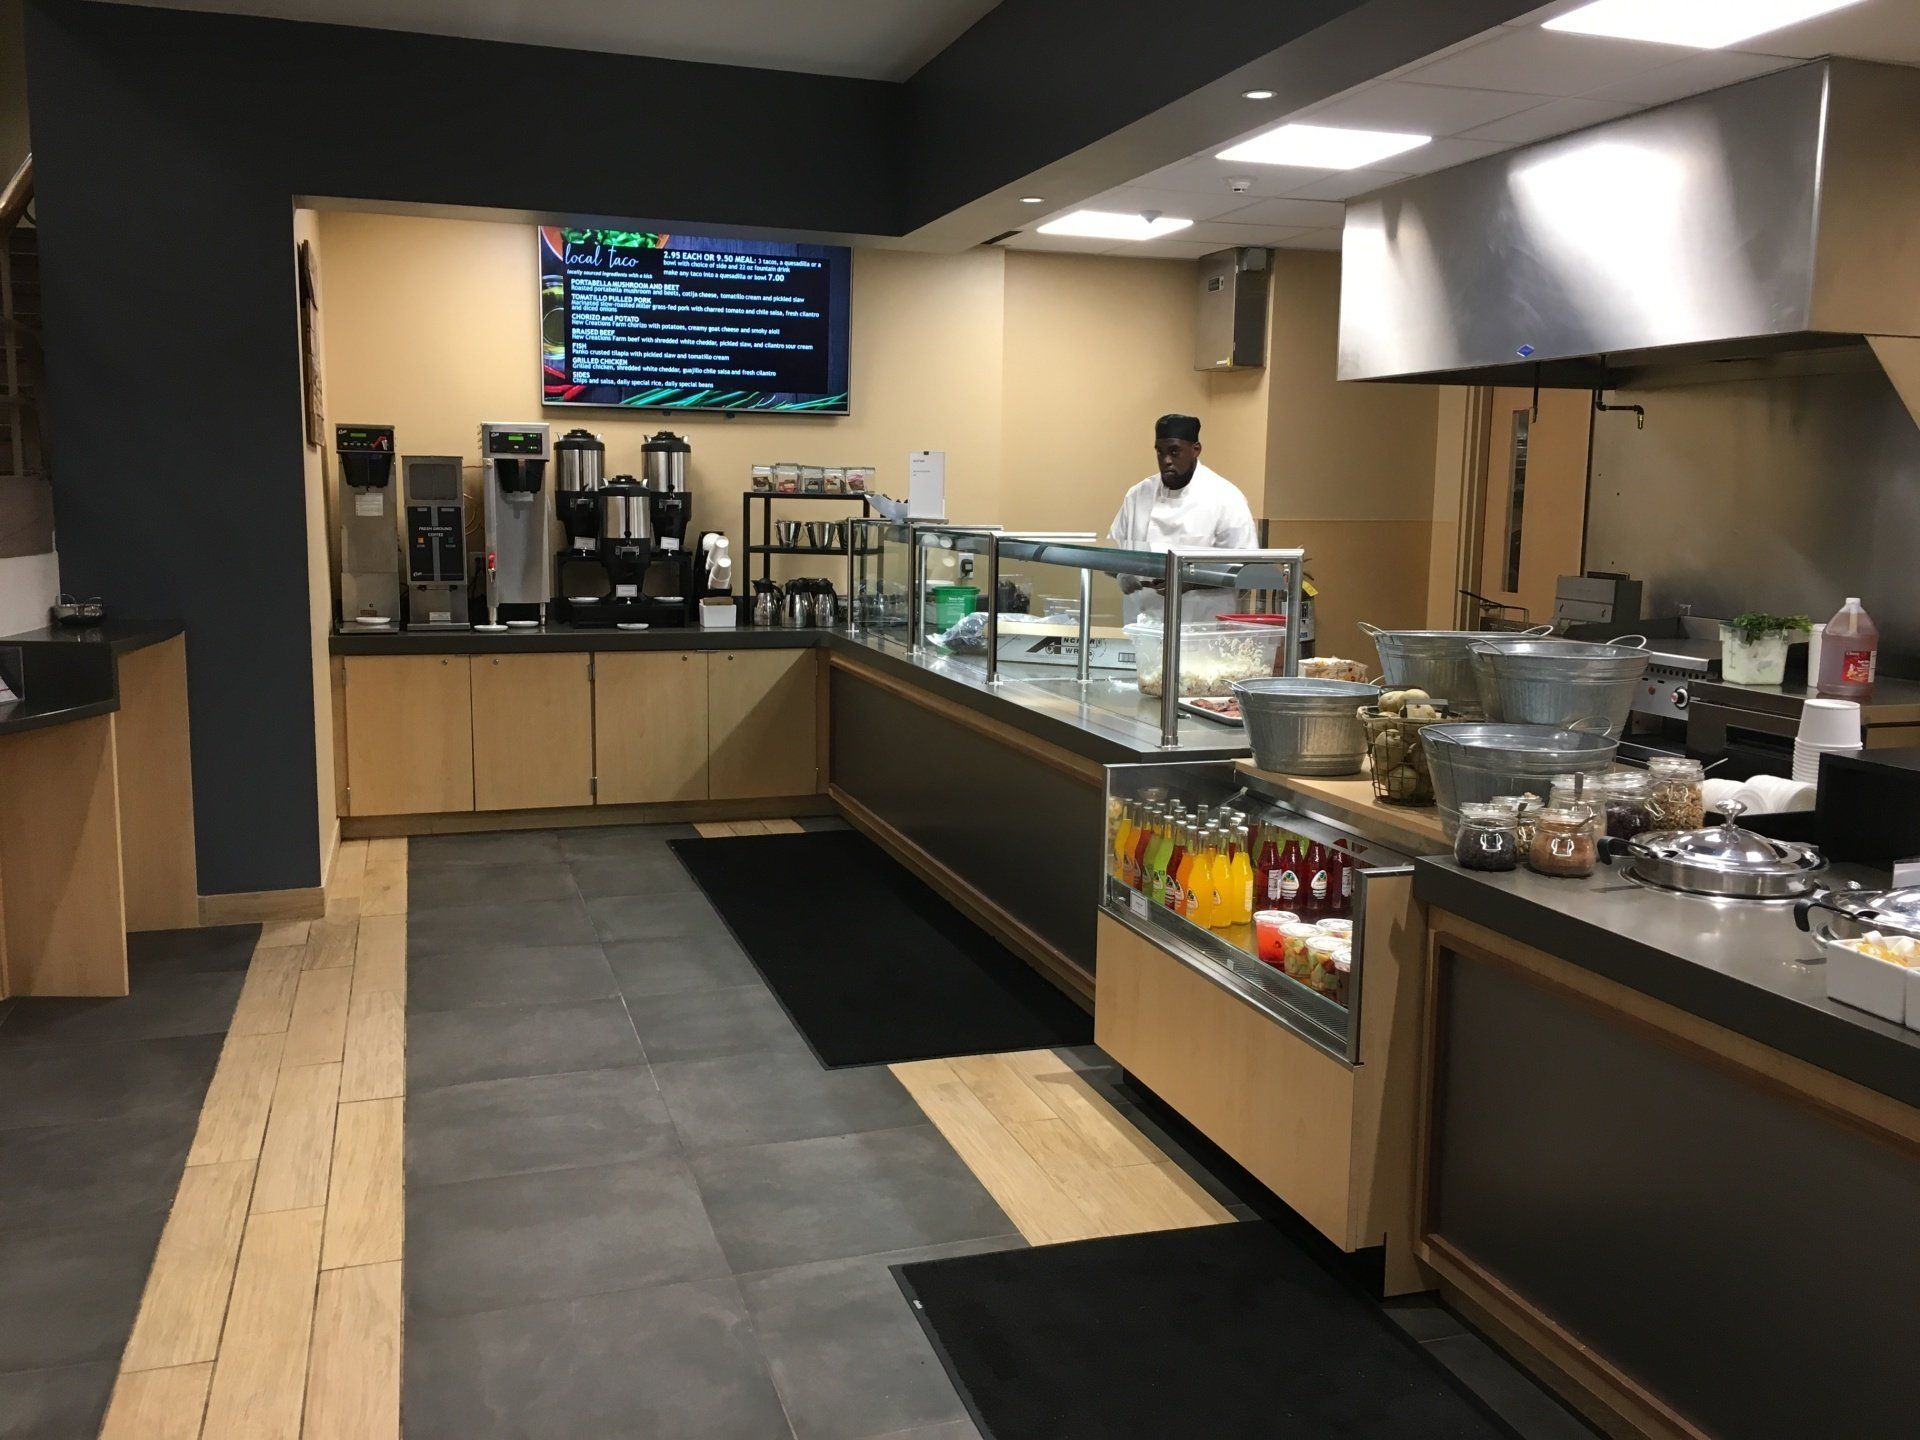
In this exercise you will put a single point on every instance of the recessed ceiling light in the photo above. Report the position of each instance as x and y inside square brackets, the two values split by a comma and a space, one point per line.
[1323, 147]
[1033, 199]
[1700, 24]
[1256, 94]
[1114, 225]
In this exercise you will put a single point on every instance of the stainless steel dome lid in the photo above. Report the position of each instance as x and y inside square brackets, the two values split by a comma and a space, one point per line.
[1894, 910]
[1722, 861]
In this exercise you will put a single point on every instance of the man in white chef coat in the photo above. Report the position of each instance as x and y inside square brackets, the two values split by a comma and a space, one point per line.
[1183, 506]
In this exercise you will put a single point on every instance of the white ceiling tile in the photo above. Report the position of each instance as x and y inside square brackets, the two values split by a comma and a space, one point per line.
[1699, 72]
[1063, 244]
[1545, 62]
[1132, 199]
[1445, 153]
[1312, 213]
[1217, 235]
[1345, 184]
[1204, 175]
[1454, 49]
[1556, 117]
[1427, 109]
[1545, 13]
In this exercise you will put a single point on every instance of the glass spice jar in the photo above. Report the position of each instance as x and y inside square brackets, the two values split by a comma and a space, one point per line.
[1562, 795]
[1624, 802]
[1676, 793]
[1487, 838]
[1524, 809]
[1563, 843]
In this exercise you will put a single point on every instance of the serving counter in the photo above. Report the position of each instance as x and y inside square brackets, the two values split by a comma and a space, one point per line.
[96, 804]
[1655, 1158]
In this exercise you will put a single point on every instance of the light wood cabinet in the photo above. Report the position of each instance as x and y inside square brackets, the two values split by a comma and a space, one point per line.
[761, 717]
[409, 734]
[532, 731]
[650, 727]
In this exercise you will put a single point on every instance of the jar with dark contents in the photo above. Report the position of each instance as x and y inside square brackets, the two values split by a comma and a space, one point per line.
[1563, 844]
[1487, 838]
[1524, 809]
[1624, 801]
[1676, 793]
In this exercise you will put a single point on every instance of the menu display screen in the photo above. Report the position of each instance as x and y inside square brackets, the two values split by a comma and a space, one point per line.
[684, 322]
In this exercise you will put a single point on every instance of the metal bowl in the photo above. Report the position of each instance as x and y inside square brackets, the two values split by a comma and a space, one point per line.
[1306, 727]
[1483, 759]
[1436, 661]
[1532, 681]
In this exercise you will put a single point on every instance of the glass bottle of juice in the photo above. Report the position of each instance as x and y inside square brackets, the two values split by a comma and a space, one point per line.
[1197, 893]
[1849, 653]
[1290, 896]
[1343, 872]
[1175, 897]
[1159, 847]
[1240, 886]
[1266, 879]
[1148, 833]
[1117, 848]
[1226, 907]
[1316, 880]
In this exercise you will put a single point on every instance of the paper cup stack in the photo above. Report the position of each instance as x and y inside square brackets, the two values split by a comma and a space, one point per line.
[1827, 727]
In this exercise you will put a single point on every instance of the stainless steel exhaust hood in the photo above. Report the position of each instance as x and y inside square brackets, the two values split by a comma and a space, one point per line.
[1782, 214]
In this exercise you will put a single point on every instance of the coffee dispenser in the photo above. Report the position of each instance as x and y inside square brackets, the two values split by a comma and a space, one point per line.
[664, 464]
[579, 465]
[436, 514]
[627, 547]
[513, 461]
[369, 536]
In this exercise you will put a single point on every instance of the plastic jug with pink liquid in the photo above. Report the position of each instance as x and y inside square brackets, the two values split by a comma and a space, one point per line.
[1849, 651]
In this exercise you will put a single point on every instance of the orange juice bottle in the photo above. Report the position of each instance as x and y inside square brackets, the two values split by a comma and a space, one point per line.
[1225, 910]
[1240, 886]
[1199, 887]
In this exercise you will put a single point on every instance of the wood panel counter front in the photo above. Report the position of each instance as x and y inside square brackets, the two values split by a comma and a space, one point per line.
[96, 829]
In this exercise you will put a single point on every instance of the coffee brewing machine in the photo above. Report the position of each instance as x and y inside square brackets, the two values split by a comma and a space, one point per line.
[436, 521]
[369, 536]
[513, 461]
[626, 549]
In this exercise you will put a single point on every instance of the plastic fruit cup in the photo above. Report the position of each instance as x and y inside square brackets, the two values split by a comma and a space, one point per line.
[1343, 929]
[1293, 942]
[1267, 925]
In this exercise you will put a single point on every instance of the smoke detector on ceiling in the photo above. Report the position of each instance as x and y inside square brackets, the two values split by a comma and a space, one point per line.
[1240, 184]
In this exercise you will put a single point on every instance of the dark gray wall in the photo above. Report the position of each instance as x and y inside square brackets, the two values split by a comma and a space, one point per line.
[168, 147]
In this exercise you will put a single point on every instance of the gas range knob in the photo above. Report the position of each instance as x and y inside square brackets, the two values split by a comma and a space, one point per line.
[1680, 697]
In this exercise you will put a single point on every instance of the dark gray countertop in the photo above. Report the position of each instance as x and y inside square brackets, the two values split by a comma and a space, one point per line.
[69, 674]
[566, 639]
[1747, 968]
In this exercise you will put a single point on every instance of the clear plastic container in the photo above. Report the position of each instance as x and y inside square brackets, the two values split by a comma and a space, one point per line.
[1212, 656]
[1849, 653]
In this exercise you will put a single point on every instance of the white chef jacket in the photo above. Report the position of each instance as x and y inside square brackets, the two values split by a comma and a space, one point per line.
[1207, 513]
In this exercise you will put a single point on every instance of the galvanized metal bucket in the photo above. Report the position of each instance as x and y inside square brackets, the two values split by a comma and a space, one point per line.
[1556, 682]
[1484, 759]
[1436, 661]
[1306, 727]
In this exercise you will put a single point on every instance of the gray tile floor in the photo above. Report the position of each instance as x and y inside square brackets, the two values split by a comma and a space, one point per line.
[98, 1104]
[636, 1204]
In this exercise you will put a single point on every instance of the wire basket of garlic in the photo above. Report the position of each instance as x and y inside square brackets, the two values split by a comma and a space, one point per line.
[1396, 760]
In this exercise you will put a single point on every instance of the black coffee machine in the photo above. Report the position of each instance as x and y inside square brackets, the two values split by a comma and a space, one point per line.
[579, 574]
[626, 550]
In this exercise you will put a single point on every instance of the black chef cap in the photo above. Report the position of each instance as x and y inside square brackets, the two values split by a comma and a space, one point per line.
[1177, 427]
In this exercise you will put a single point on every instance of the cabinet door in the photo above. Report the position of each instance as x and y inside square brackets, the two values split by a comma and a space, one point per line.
[532, 732]
[650, 727]
[409, 722]
[760, 718]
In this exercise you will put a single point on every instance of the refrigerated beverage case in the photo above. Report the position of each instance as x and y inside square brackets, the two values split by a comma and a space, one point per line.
[1849, 653]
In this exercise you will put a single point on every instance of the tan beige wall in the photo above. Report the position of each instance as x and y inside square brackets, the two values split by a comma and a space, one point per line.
[433, 327]
[1096, 348]
[1349, 466]
[1459, 441]
[320, 569]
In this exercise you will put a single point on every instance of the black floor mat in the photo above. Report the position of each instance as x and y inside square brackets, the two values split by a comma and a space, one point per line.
[872, 965]
[1226, 1331]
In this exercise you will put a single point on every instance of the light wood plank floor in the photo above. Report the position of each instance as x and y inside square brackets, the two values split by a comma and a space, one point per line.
[273, 1308]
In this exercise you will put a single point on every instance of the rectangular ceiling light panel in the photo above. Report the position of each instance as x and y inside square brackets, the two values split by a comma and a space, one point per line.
[1113, 225]
[1322, 147]
[1699, 24]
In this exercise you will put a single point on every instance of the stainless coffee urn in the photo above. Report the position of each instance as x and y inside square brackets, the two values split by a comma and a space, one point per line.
[579, 469]
[369, 530]
[626, 520]
[513, 461]
[663, 466]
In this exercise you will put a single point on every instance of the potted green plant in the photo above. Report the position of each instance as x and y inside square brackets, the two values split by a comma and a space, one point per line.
[1753, 646]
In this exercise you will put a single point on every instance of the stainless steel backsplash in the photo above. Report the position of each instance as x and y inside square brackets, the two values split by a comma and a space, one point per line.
[1785, 493]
